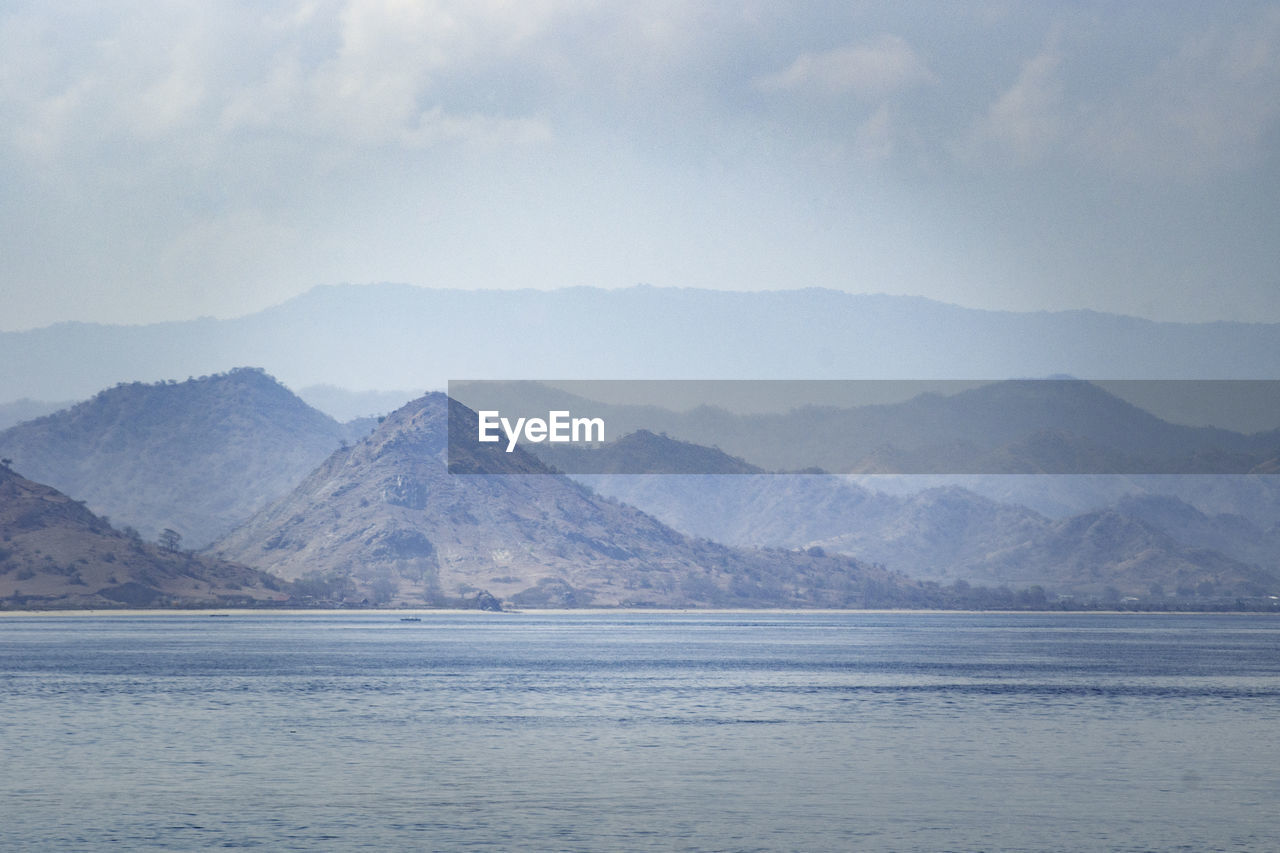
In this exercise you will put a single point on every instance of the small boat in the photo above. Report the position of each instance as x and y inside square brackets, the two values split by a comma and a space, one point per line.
[410, 618]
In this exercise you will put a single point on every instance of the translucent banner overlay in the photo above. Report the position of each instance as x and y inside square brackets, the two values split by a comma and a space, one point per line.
[1023, 426]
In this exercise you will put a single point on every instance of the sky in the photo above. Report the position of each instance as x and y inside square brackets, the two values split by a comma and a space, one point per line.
[163, 161]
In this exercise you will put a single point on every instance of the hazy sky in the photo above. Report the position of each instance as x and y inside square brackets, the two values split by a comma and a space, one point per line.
[171, 160]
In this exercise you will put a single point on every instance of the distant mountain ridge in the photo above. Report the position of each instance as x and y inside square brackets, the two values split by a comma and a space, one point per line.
[400, 336]
[24, 410]
[948, 534]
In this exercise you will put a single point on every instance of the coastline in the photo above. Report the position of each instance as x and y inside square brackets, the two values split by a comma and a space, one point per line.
[584, 611]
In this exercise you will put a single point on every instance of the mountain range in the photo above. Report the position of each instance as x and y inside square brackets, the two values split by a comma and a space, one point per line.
[398, 336]
[369, 512]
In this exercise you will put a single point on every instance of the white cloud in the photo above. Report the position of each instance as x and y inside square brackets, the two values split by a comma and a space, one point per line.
[435, 126]
[875, 138]
[1204, 110]
[1027, 118]
[370, 89]
[161, 137]
[368, 72]
[870, 70]
[170, 100]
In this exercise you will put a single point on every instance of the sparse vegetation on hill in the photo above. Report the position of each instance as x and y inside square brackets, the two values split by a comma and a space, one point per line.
[197, 456]
[55, 553]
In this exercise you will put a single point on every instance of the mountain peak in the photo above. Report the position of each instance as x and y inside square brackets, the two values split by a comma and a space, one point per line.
[385, 521]
[197, 456]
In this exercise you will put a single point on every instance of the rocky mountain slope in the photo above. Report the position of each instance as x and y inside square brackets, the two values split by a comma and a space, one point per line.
[56, 553]
[197, 456]
[385, 520]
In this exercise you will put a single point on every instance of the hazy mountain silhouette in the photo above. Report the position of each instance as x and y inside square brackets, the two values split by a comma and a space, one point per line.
[398, 336]
[346, 406]
[948, 534]
[24, 410]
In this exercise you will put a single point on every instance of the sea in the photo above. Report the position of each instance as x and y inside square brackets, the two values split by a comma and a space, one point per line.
[646, 731]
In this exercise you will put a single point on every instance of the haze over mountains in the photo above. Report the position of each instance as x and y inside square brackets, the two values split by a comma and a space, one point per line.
[1133, 541]
[402, 337]
[381, 521]
[947, 534]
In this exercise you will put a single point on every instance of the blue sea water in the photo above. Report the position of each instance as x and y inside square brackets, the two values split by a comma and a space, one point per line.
[593, 731]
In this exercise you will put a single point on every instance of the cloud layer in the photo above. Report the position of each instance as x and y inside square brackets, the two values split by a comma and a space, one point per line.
[170, 160]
